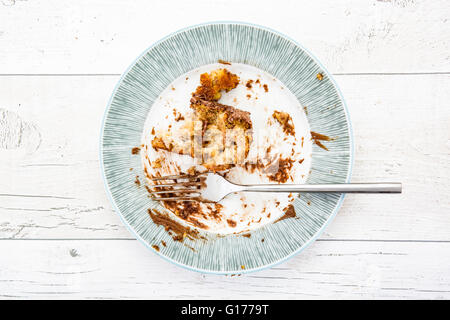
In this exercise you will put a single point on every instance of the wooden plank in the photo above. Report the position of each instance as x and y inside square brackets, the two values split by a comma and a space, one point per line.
[347, 36]
[51, 184]
[126, 269]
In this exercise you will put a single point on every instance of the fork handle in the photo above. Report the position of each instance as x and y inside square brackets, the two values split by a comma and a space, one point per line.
[384, 187]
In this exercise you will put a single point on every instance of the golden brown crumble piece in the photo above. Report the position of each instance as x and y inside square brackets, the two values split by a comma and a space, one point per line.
[156, 164]
[211, 84]
[158, 143]
[319, 76]
[285, 120]
[283, 173]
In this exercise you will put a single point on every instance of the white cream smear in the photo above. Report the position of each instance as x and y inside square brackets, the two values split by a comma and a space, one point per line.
[240, 212]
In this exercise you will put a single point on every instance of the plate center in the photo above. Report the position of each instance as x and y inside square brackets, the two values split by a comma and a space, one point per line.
[264, 97]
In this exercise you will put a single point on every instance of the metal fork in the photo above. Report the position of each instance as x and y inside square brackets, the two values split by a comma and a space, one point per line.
[211, 187]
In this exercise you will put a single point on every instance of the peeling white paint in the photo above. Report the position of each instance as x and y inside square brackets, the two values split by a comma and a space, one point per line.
[16, 133]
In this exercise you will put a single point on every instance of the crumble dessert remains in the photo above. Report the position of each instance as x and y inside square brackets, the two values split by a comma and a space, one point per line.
[207, 132]
[219, 136]
[211, 84]
[223, 62]
[285, 120]
[226, 134]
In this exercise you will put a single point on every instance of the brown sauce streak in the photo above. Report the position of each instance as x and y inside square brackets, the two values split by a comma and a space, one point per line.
[284, 168]
[289, 212]
[317, 138]
[175, 229]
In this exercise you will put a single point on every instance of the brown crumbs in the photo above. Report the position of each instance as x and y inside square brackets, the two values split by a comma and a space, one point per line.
[156, 164]
[284, 167]
[175, 229]
[231, 223]
[266, 88]
[137, 181]
[249, 84]
[135, 150]
[163, 243]
[223, 62]
[249, 96]
[179, 117]
[317, 138]
[319, 76]
[155, 247]
[289, 212]
[285, 120]
[247, 235]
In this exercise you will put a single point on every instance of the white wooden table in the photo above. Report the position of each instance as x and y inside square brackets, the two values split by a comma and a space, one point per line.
[60, 238]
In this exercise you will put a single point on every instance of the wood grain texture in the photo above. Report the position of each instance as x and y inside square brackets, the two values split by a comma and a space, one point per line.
[125, 269]
[401, 134]
[349, 36]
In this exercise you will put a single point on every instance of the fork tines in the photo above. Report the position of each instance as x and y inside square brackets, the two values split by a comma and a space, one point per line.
[185, 190]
